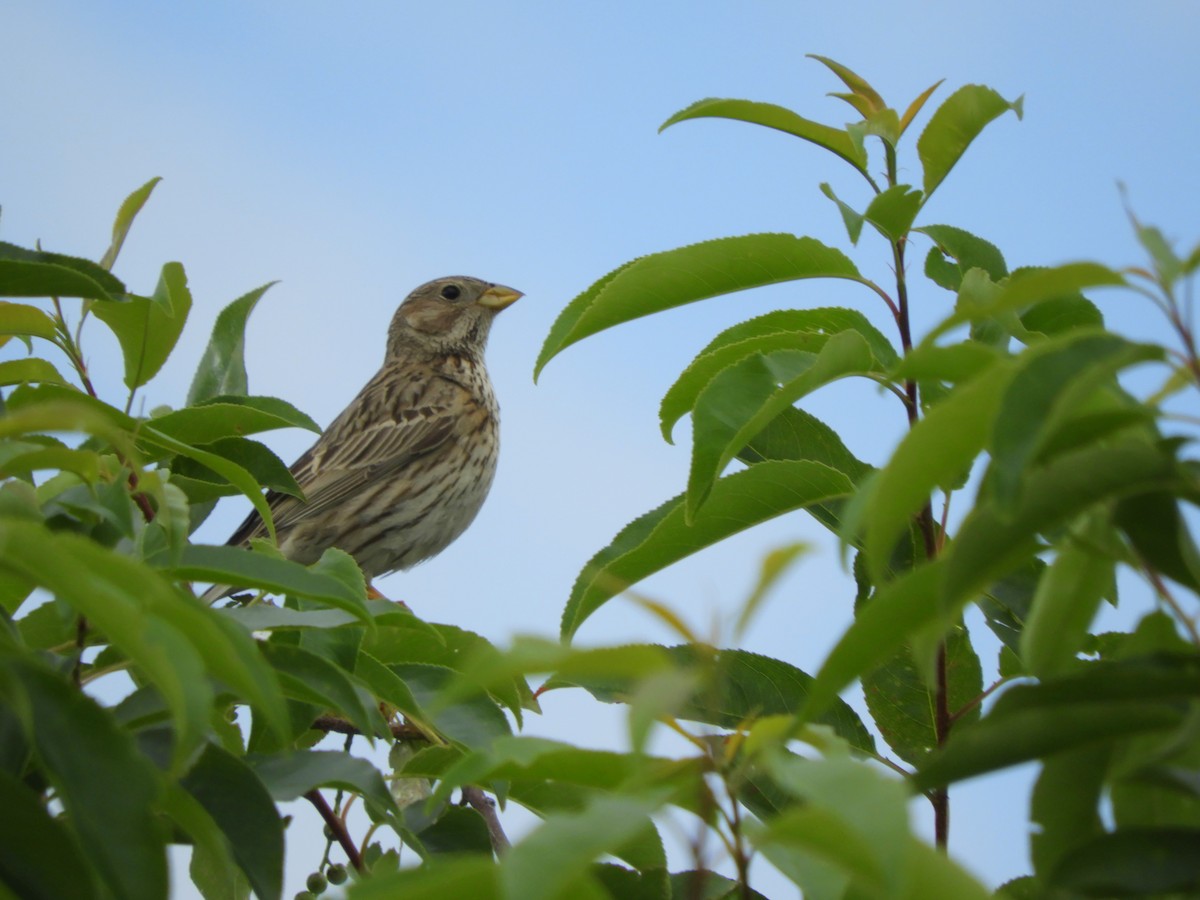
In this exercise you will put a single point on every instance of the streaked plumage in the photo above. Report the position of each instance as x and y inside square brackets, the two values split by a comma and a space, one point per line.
[406, 466]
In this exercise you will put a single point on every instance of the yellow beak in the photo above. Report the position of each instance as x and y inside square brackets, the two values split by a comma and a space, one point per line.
[498, 297]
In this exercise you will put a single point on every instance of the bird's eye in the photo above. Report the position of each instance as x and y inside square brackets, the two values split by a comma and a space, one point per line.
[451, 291]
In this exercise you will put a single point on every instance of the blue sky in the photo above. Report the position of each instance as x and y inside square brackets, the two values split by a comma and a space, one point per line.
[353, 151]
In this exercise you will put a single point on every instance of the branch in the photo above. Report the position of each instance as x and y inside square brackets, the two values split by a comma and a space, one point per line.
[486, 807]
[337, 827]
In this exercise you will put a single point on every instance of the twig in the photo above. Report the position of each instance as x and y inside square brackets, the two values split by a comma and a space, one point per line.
[337, 827]
[486, 807]
[400, 730]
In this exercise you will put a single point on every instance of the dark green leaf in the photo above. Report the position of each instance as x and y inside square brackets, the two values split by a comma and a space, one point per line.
[1103, 700]
[674, 277]
[107, 788]
[1061, 314]
[1064, 804]
[256, 458]
[39, 857]
[736, 686]
[457, 830]
[477, 878]
[310, 678]
[1133, 862]
[148, 327]
[33, 273]
[1158, 531]
[779, 118]
[240, 805]
[955, 124]
[289, 776]
[473, 722]
[662, 537]
[902, 703]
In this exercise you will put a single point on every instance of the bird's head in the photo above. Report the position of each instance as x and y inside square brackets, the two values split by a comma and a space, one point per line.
[448, 315]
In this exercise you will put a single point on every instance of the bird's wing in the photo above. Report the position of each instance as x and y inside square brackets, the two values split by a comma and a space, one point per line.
[349, 455]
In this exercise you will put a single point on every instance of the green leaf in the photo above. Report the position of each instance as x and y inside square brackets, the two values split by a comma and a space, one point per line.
[856, 83]
[903, 704]
[1029, 287]
[474, 877]
[744, 398]
[991, 541]
[779, 118]
[1158, 531]
[111, 591]
[955, 124]
[34, 273]
[956, 252]
[22, 371]
[473, 722]
[662, 537]
[1133, 862]
[1049, 383]
[558, 855]
[933, 874]
[232, 472]
[892, 212]
[935, 452]
[851, 218]
[230, 417]
[1066, 601]
[256, 458]
[1060, 315]
[222, 368]
[26, 321]
[240, 805]
[1064, 804]
[289, 776]
[39, 857]
[805, 330]
[915, 107]
[310, 678]
[1103, 701]
[852, 816]
[988, 546]
[125, 215]
[672, 278]
[245, 569]
[736, 686]
[107, 787]
[149, 327]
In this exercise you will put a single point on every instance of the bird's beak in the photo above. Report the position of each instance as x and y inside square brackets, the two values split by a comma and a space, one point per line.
[498, 297]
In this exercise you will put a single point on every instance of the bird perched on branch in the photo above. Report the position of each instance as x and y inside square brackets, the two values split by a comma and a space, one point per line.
[406, 466]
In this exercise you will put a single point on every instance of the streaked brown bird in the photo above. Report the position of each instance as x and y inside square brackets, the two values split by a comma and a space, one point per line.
[406, 466]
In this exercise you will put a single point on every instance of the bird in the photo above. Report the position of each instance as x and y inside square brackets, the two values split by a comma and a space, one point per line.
[405, 468]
